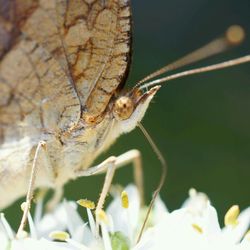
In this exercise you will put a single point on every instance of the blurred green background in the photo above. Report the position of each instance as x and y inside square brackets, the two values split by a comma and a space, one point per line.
[200, 123]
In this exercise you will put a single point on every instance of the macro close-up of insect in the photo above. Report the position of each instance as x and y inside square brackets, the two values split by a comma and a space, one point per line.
[63, 99]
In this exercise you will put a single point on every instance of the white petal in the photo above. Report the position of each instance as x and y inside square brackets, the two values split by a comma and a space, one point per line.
[74, 220]
[111, 224]
[38, 212]
[31, 244]
[159, 210]
[6, 227]
[245, 244]
[211, 224]
[77, 245]
[176, 232]
[235, 234]
[91, 222]
[4, 241]
[125, 220]
[33, 231]
[197, 201]
[105, 237]
[83, 235]
[54, 221]
[147, 241]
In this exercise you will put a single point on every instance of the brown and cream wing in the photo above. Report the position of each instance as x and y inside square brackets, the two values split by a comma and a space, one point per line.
[91, 39]
[59, 59]
[100, 62]
[36, 94]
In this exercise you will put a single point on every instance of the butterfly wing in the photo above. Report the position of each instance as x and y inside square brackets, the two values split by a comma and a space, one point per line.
[36, 93]
[91, 40]
[59, 59]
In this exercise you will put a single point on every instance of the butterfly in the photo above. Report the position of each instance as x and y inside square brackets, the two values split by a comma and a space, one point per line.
[63, 69]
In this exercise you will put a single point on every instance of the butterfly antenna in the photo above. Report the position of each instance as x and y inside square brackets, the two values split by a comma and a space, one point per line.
[234, 35]
[161, 182]
[213, 67]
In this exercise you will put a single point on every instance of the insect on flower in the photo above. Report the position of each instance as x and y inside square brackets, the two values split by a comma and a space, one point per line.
[62, 72]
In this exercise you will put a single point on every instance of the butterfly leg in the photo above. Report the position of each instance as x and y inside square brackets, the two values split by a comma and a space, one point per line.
[110, 165]
[57, 196]
[41, 146]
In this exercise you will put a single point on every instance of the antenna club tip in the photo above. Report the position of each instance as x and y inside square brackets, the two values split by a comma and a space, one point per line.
[235, 34]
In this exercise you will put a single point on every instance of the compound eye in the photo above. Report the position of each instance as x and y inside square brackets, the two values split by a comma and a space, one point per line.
[123, 108]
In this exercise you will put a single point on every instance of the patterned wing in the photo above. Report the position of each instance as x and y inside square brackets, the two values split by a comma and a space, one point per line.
[59, 60]
[91, 39]
[36, 93]
[102, 64]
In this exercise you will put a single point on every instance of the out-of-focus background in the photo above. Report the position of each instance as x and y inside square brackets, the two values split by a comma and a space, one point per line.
[200, 123]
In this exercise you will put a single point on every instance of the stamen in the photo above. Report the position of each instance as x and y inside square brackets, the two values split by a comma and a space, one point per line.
[64, 236]
[38, 211]
[192, 192]
[59, 235]
[33, 231]
[6, 227]
[89, 205]
[86, 203]
[231, 216]
[22, 235]
[102, 216]
[23, 206]
[124, 199]
[105, 237]
[91, 222]
[40, 194]
[247, 236]
[197, 228]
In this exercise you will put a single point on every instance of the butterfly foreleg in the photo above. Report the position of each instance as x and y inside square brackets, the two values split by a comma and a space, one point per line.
[40, 147]
[110, 165]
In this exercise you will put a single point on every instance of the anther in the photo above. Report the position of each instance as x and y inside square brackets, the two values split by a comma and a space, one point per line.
[124, 199]
[247, 235]
[231, 216]
[86, 203]
[197, 228]
[59, 235]
[23, 206]
[102, 216]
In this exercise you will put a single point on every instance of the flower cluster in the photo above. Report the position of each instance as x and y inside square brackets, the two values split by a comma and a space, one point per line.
[194, 226]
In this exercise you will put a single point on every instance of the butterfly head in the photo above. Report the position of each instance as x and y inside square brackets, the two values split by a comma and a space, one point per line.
[129, 109]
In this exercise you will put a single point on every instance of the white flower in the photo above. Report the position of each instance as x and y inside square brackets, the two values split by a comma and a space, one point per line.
[126, 221]
[194, 226]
